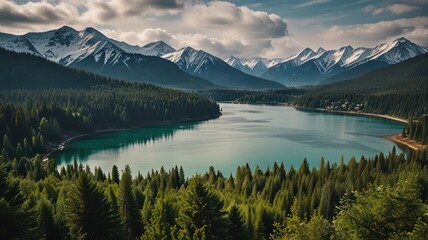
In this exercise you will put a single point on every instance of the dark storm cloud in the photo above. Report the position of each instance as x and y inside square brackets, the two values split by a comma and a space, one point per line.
[138, 7]
[105, 11]
[164, 4]
[11, 14]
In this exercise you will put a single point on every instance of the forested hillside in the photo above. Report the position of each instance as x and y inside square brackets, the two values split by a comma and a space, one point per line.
[373, 198]
[400, 90]
[41, 101]
[20, 70]
[253, 97]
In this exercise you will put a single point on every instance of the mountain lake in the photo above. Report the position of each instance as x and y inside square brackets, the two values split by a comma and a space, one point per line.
[254, 134]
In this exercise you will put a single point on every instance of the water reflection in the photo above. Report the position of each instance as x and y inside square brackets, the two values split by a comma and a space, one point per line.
[257, 135]
[113, 142]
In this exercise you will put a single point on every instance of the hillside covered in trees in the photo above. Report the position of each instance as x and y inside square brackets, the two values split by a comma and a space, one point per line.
[374, 198]
[400, 90]
[40, 102]
[21, 70]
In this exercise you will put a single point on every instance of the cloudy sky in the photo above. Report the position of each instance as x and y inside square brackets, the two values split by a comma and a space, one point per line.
[245, 28]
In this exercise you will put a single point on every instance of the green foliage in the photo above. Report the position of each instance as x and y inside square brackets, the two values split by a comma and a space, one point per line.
[15, 221]
[88, 213]
[129, 213]
[236, 229]
[382, 212]
[417, 130]
[45, 219]
[248, 96]
[161, 222]
[115, 174]
[202, 215]
[295, 227]
[271, 96]
[74, 202]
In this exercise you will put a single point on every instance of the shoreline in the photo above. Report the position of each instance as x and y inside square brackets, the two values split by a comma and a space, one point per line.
[384, 116]
[395, 138]
[73, 136]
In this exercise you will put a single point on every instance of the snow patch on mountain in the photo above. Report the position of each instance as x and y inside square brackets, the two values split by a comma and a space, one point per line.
[190, 59]
[21, 45]
[253, 66]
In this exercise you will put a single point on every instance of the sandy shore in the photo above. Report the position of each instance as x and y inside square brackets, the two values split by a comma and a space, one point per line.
[397, 138]
[402, 120]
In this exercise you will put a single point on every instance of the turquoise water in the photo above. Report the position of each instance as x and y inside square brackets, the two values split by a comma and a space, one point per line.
[254, 134]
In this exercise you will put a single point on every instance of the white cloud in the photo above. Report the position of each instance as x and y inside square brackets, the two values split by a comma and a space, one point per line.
[226, 19]
[394, 8]
[312, 2]
[373, 33]
[219, 27]
[25, 16]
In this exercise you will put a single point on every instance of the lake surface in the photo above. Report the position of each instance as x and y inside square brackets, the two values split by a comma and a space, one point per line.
[254, 134]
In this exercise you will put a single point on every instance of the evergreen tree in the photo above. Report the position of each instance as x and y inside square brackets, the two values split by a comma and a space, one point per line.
[201, 214]
[115, 174]
[236, 228]
[382, 212]
[60, 216]
[88, 213]
[129, 213]
[15, 221]
[161, 222]
[45, 219]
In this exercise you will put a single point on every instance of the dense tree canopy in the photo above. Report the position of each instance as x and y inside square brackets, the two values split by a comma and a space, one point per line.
[333, 199]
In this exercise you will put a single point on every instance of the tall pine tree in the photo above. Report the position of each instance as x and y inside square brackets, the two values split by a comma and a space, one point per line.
[129, 213]
[236, 228]
[201, 215]
[88, 213]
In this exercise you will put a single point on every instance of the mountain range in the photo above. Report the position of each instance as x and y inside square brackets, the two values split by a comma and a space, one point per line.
[202, 64]
[92, 51]
[158, 63]
[310, 67]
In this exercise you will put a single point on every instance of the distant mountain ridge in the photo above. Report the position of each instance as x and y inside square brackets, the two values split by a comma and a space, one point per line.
[310, 67]
[92, 51]
[410, 75]
[253, 66]
[66, 42]
[159, 63]
[202, 64]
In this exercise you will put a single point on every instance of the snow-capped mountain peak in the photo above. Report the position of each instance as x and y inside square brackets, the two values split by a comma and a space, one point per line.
[302, 57]
[158, 48]
[20, 44]
[191, 59]
[398, 50]
[234, 62]
[401, 40]
[254, 66]
[320, 50]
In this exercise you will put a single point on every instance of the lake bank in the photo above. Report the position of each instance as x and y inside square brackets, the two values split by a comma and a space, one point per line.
[396, 138]
[412, 144]
[385, 116]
